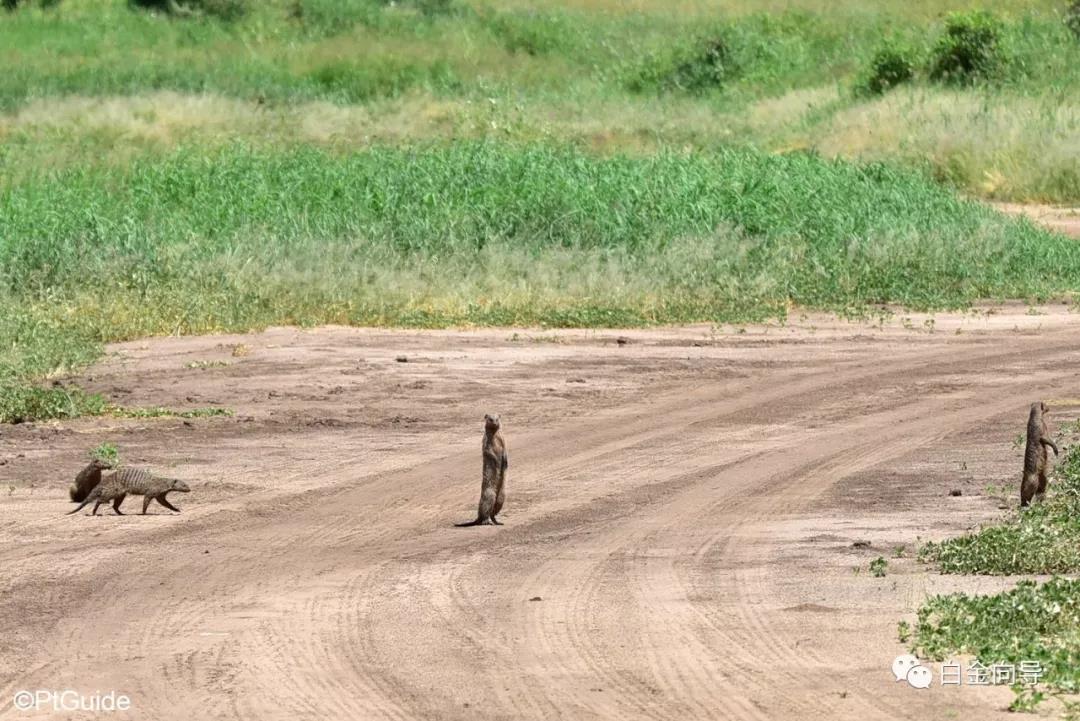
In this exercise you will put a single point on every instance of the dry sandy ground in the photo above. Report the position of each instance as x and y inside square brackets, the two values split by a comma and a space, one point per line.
[1062, 219]
[678, 538]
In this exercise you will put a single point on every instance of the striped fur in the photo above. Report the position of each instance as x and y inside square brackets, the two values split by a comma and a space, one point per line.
[118, 484]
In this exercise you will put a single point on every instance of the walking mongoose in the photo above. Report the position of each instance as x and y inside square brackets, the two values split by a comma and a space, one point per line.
[87, 479]
[1036, 459]
[493, 484]
[116, 485]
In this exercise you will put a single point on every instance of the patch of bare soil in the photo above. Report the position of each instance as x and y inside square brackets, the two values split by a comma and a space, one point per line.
[680, 530]
[1062, 219]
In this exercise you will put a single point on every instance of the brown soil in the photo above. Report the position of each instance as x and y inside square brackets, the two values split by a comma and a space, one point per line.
[678, 538]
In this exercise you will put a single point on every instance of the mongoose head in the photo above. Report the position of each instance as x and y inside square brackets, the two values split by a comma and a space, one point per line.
[1045, 408]
[491, 422]
[178, 485]
[101, 464]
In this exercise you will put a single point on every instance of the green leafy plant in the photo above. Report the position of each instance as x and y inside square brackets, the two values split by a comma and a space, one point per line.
[1032, 623]
[106, 452]
[206, 364]
[357, 82]
[160, 412]
[878, 567]
[890, 66]
[970, 49]
[1026, 699]
[696, 68]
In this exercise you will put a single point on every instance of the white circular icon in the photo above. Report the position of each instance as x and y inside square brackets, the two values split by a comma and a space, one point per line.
[23, 701]
[920, 677]
[902, 664]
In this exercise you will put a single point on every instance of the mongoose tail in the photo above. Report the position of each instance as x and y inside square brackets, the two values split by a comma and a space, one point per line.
[94, 495]
[479, 522]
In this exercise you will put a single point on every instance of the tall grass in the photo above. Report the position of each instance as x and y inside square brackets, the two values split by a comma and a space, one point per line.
[833, 233]
[485, 233]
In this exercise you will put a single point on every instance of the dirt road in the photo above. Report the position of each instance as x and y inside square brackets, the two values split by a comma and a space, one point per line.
[678, 538]
[1064, 220]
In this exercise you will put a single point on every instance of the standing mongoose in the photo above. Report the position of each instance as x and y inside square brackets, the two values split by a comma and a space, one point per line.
[116, 485]
[1036, 459]
[493, 483]
[87, 479]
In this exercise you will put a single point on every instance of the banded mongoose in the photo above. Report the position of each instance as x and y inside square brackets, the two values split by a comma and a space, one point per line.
[493, 484]
[116, 485]
[1036, 459]
[87, 479]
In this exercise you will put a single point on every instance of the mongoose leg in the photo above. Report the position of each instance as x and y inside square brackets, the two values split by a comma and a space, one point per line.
[116, 504]
[495, 521]
[145, 502]
[161, 499]
[1041, 490]
[500, 498]
[1027, 488]
[96, 505]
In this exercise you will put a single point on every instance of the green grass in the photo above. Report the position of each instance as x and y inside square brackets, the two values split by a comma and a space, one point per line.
[490, 233]
[205, 364]
[1031, 623]
[442, 162]
[107, 452]
[614, 80]
[1042, 539]
[484, 233]
[160, 412]
[20, 403]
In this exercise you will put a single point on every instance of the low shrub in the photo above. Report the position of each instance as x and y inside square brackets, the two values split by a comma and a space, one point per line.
[705, 65]
[971, 49]
[1072, 18]
[356, 82]
[891, 65]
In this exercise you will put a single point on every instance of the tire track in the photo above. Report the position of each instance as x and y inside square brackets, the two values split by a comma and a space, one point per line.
[645, 542]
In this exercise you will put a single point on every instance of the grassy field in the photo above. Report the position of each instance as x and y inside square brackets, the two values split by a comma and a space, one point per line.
[486, 233]
[435, 162]
[99, 79]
